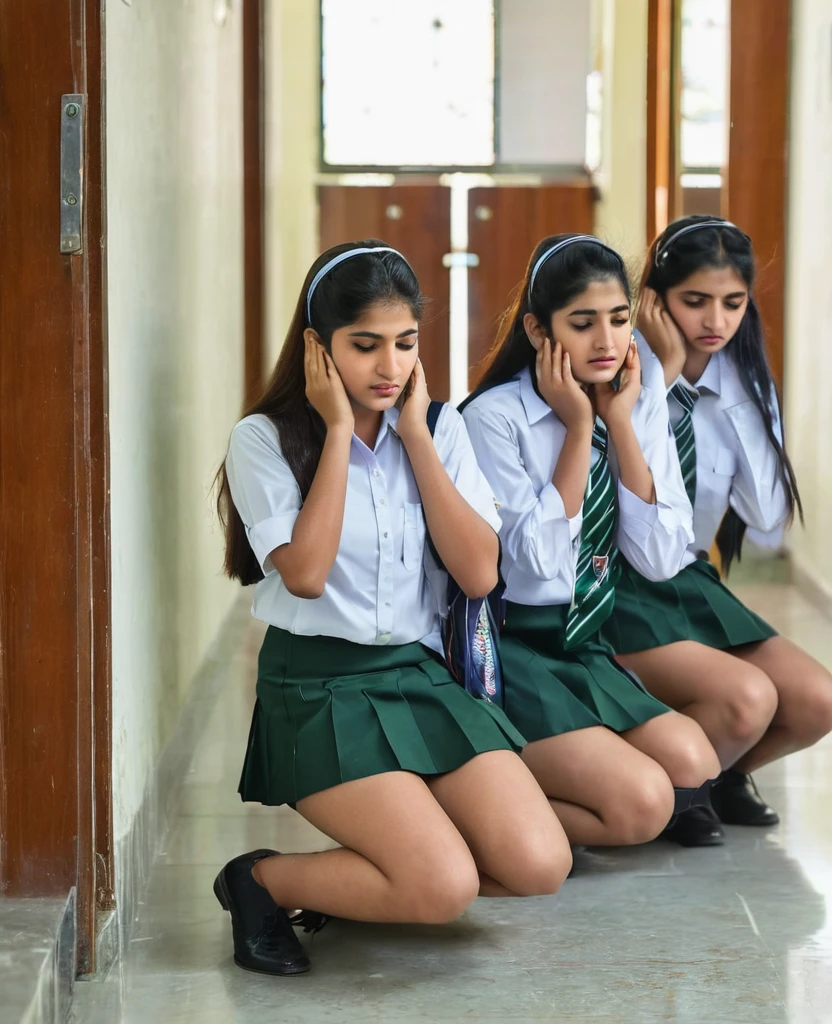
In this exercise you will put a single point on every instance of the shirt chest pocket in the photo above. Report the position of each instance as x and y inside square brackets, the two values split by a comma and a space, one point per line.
[414, 532]
[724, 462]
[716, 475]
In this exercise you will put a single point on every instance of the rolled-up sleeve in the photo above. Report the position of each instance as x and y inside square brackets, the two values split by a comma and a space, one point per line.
[263, 488]
[758, 491]
[537, 535]
[654, 538]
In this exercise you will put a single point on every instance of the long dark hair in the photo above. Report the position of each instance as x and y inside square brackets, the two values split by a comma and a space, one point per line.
[564, 276]
[340, 299]
[726, 246]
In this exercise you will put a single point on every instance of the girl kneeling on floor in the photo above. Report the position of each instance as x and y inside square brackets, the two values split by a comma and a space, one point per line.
[580, 459]
[330, 485]
[756, 694]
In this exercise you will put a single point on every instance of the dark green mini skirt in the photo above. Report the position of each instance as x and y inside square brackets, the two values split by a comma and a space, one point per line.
[330, 711]
[549, 691]
[694, 605]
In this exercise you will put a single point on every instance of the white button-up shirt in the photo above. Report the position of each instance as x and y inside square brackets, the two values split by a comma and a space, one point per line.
[518, 440]
[736, 464]
[384, 587]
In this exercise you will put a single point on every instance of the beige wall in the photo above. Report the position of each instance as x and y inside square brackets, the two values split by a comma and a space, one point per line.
[621, 215]
[292, 126]
[174, 208]
[809, 295]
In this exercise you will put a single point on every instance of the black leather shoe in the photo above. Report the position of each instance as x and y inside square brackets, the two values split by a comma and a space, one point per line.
[737, 801]
[698, 826]
[264, 940]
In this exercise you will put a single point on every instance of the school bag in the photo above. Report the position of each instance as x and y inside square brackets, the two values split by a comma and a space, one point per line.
[471, 628]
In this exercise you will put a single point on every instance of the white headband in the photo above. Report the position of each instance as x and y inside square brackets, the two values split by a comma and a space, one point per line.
[662, 251]
[562, 245]
[325, 269]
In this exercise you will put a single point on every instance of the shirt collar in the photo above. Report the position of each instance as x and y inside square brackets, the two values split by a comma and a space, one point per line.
[711, 379]
[533, 404]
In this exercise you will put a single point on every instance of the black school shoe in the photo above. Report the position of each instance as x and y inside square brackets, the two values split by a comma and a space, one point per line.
[264, 939]
[697, 826]
[737, 801]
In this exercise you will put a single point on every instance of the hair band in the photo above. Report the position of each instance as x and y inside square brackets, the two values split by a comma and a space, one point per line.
[562, 245]
[325, 269]
[662, 251]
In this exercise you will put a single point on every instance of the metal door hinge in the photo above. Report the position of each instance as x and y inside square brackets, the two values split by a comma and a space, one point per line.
[72, 171]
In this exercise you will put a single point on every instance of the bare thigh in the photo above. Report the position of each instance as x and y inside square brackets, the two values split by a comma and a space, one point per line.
[507, 822]
[628, 793]
[804, 687]
[731, 699]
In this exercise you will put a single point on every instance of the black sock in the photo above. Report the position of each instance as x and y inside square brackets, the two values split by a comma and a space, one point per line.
[687, 796]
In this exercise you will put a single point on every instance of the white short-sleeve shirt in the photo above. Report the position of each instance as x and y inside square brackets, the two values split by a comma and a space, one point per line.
[736, 464]
[518, 440]
[384, 587]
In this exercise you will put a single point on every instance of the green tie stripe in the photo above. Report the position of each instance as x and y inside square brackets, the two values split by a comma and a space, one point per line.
[594, 593]
[685, 440]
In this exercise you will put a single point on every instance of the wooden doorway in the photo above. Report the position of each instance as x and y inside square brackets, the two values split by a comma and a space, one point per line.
[55, 739]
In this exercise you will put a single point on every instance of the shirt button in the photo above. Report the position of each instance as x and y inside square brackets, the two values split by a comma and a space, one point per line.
[382, 501]
[376, 472]
[385, 535]
[388, 604]
[387, 579]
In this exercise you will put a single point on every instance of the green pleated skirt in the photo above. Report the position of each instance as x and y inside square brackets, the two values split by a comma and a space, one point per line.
[330, 711]
[549, 691]
[694, 605]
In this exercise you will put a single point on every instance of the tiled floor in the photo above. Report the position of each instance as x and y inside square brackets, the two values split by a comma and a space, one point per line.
[735, 934]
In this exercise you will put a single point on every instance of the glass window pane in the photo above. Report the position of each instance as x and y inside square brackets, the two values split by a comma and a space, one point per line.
[408, 84]
[704, 82]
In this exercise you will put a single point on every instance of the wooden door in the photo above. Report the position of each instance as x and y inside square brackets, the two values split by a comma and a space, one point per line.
[758, 152]
[504, 225]
[416, 220]
[55, 765]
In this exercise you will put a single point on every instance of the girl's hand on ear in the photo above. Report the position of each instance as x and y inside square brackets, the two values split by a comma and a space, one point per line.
[662, 334]
[562, 393]
[615, 407]
[414, 411]
[324, 388]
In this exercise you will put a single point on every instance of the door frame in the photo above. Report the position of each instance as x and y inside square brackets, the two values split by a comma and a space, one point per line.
[55, 615]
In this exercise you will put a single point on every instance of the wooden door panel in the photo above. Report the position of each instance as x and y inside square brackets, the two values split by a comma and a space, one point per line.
[416, 220]
[504, 226]
[54, 507]
[758, 152]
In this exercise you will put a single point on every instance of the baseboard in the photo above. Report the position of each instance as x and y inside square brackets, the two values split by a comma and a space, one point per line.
[814, 589]
[37, 969]
[136, 852]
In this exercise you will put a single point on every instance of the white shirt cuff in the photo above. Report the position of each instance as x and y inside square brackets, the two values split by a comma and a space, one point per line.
[271, 534]
[552, 507]
[640, 514]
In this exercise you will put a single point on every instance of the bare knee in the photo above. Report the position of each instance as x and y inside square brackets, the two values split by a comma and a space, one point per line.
[810, 717]
[752, 702]
[441, 890]
[691, 760]
[641, 811]
[539, 866]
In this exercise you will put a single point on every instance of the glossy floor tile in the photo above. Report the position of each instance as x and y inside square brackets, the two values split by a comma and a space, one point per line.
[737, 934]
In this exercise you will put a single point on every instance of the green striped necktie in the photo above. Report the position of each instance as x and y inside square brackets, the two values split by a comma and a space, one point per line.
[594, 593]
[685, 441]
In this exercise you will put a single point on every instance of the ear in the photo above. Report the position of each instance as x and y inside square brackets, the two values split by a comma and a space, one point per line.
[535, 331]
[310, 334]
